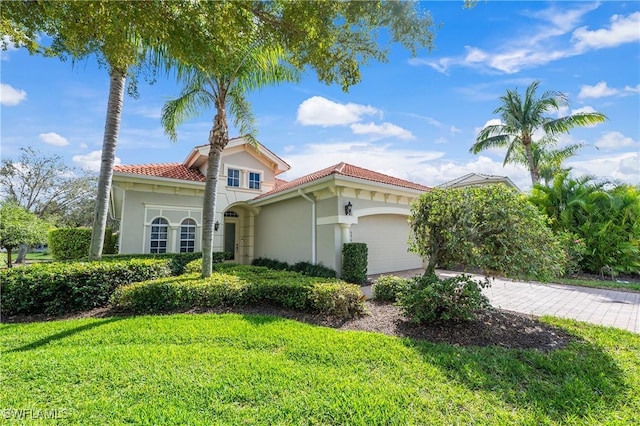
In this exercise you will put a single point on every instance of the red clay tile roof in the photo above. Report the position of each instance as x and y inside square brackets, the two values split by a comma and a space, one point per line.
[167, 170]
[344, 169]
[280, 182]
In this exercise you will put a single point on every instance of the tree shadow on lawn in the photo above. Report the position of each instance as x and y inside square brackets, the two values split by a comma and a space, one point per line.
[577, 381]
[63, 334]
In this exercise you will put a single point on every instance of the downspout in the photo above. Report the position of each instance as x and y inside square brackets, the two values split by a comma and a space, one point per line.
[313, 225]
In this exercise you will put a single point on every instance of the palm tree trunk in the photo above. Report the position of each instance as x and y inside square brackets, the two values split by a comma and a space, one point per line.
[533, 169]
[109, 142]
[218, 139]
[22, 254]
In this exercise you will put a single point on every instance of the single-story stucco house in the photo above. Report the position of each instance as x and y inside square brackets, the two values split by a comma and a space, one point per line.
[159, 207]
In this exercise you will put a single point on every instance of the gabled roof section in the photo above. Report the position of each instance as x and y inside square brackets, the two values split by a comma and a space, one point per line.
[348, 170]
[167, 170]
[199, 154]
[477, 179]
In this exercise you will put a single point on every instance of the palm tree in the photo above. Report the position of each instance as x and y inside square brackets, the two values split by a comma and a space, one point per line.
[521, 118]
[225, 90]
[547, 159]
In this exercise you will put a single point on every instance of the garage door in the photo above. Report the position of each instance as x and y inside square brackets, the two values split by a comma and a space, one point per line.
[386, 237]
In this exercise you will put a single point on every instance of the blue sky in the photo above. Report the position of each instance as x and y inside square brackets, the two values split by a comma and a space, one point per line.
[414, 118]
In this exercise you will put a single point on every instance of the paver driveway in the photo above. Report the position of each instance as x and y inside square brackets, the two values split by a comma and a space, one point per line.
[603, 307]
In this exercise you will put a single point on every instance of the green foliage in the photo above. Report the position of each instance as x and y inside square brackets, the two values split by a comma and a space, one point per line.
[59, 288]
[388, 287]
[491, 227]
[232, 284]
[306, 268]
[429, 299]
[178, 261]
[605, 220]
[18, 226]
[354, 262]
[522, 117]
[575, 249]
[73, 243]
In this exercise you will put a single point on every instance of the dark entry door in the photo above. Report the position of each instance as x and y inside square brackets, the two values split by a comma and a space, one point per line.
[230, 239]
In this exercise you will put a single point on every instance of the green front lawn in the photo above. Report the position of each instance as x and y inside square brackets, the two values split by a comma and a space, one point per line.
[604, 284]
[240, 369]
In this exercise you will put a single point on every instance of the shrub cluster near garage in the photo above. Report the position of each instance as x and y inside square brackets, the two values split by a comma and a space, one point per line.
[306, 268]
[61, 287]
[232, 284]
[388, 287]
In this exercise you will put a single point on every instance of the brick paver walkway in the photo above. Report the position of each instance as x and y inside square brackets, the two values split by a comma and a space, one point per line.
[603, 307]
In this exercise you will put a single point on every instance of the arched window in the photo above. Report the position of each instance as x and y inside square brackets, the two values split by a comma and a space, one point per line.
[159, 228]
[188, 236]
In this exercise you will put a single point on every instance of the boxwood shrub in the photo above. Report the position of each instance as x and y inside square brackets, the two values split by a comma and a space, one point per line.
[306, 268]
[354, 262]
[178, 261]
[232, 284]
[73, 243]
[388, 287]
[63, 287]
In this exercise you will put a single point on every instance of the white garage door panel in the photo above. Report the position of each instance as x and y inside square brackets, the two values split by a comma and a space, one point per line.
[386, 237]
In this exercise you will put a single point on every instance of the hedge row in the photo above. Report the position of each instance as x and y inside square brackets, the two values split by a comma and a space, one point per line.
[306, 268]
[232, 284]
[178, 261]
[73, 243]
[354, 262]
[60, 287]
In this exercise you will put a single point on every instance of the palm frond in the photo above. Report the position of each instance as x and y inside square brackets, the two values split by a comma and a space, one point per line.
[498, 141]
[564, 124]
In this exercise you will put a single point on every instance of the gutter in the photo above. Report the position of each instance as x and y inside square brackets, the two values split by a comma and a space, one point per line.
[313, 225]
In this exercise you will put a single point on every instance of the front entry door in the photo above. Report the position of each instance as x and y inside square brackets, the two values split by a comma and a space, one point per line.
[230, 245]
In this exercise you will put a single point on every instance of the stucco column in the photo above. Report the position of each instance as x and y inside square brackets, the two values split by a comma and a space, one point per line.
[173, 245]
[345, 232]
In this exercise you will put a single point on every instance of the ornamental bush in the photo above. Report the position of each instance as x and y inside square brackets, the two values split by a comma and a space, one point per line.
[178, 261]
[388, 287]
[306, 268]
[429, 299]
[59, 287]
[354, 262]
[73, 243]
[232, 284]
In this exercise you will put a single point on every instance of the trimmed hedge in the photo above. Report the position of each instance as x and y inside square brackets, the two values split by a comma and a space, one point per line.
[388, 287]
[178, 261]
[58, 288]
[354, 262]
[73, 243]
[232, 284]
[306, 268]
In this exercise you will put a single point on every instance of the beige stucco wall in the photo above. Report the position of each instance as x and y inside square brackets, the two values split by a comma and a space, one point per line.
[283, 231]
[142, 207]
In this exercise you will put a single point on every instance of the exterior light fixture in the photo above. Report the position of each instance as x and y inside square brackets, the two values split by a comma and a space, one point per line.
[216, 225]
[348, 209]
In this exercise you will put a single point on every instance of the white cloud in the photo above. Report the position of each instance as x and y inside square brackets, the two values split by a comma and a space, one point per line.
[383, 130]
[83, 145]
[632, 89]
[319, 111]
[624, 167]
[544, 42]
[585, 109]
[6, 46]
[599, 90]
[146, 111]
[454, 130]
[614, 140]
[10, 96]
[623, 29]
[54, 139]
[441, 140]
[90, 161]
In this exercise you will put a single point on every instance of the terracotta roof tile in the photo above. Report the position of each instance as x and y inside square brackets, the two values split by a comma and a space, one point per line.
[349, 170]
[167, 170]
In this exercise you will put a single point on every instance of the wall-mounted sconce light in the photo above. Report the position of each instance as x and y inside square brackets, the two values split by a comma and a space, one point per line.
[348, 209]
[216, 225]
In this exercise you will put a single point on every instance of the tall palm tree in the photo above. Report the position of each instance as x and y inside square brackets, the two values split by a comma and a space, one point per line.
[225, 90]
[547, 159]
[522, 117]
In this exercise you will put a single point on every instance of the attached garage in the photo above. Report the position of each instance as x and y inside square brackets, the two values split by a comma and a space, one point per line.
[386, 237]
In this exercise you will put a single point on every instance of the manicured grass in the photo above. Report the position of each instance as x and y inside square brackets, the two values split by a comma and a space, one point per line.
[238, 369]
[614, 285]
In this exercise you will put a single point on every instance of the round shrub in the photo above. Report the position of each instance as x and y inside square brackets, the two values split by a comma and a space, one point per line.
[388, 287]
[429, 299]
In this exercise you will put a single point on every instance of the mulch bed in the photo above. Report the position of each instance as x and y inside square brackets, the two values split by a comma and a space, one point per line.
[491, 328]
